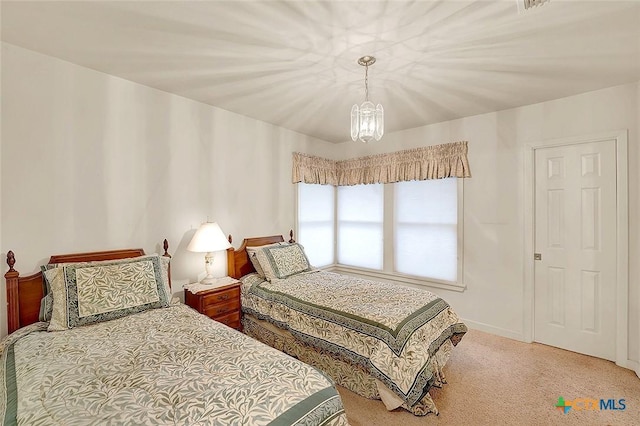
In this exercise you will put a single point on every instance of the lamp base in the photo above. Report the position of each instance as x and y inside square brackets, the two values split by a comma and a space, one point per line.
[209, 280]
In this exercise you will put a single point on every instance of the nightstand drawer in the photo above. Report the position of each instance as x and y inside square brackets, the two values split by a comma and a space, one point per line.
[219, 309]
[221, 304]
[233, 294]
[232, 320]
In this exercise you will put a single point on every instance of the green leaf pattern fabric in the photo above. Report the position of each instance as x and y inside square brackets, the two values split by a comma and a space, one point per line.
[159, 367]
[392, 331]
[86, 293]
[346, 374]
[282, 260]
[46, 304]
[108, 288]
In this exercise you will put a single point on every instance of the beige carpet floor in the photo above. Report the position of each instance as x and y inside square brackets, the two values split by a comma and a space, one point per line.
[497, 381]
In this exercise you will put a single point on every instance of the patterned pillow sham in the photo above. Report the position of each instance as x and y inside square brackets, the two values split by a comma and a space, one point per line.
[46, 307]
[283, 261]
[46, 303]
[251, 252]
[101, 291]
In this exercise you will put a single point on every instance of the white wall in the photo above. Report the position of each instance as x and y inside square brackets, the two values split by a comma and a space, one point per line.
[94, 162]
[494, 196]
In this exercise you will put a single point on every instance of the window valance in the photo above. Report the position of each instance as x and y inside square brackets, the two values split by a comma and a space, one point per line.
[431, 162]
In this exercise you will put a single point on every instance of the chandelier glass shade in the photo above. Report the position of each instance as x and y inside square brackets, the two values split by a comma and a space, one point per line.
[367, 119]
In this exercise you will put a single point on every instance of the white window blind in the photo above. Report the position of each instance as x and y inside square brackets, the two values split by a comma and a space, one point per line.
[360, 225]
[316, 222]
[347, 226]
[425, 228]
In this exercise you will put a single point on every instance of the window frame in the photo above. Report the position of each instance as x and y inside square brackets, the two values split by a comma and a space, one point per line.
[388, 272]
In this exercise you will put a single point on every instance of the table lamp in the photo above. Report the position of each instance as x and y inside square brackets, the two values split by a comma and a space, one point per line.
[208, 239]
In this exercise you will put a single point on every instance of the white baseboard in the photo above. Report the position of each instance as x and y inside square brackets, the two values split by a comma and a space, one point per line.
[494, 330]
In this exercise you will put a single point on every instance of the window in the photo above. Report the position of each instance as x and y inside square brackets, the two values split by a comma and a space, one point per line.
[410, 229]
[426, 228]
[315, 222]
[360, 226]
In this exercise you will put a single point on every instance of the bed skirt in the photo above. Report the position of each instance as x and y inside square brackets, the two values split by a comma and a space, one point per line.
[345, 374]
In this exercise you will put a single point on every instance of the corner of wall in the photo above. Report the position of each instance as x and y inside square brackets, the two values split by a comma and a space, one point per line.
[474, 325]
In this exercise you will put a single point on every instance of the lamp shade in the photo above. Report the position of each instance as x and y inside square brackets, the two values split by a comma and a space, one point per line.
[208, 238]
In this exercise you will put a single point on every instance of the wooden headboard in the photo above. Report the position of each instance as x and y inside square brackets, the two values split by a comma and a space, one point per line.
[238, 263]
[24, 293]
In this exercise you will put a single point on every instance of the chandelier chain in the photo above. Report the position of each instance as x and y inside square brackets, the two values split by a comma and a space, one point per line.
[366, 82]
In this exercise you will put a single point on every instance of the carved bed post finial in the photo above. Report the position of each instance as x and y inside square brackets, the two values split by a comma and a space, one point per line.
[11, 260]
[13, 300]
[291, 240]
[165, 246]
[230, 239]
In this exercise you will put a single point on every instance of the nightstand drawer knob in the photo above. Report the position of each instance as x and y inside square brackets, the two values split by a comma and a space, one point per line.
[223, 297]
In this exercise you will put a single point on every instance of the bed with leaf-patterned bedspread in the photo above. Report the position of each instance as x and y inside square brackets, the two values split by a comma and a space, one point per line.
[161, 366]
[400, 336]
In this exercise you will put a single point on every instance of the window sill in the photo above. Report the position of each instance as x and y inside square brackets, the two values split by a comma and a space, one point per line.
[396, 277]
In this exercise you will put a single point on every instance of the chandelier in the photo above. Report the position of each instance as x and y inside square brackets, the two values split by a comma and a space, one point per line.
[367, 120]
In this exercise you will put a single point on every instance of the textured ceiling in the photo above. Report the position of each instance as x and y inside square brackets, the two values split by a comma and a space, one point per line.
[294, 63]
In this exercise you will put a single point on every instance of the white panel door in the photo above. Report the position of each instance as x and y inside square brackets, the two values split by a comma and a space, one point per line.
[575, 234]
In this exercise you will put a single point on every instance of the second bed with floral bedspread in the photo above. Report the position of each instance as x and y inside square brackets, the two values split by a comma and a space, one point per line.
[400, 336]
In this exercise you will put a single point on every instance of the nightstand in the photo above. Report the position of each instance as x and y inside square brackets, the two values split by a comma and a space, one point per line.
[221, 303]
